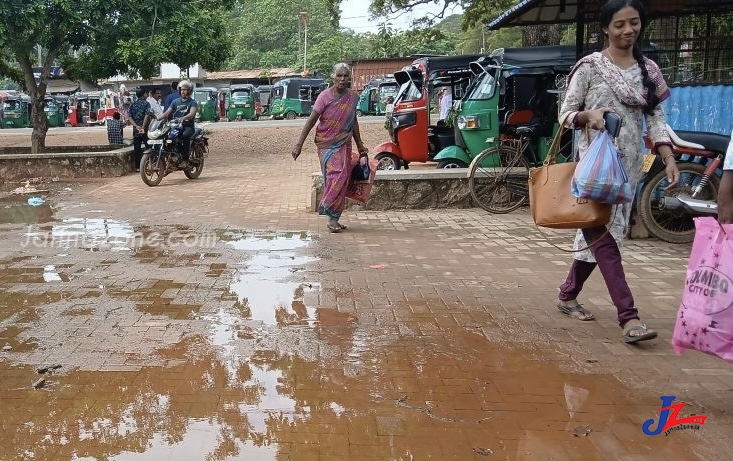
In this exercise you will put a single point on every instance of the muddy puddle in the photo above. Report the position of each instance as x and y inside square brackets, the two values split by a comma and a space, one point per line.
[24, 209]
[228, 355]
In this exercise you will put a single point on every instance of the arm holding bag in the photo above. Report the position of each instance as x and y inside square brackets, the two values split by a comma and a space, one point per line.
[550, 199]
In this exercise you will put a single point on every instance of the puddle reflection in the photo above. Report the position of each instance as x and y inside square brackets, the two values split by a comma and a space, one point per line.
[264, 283]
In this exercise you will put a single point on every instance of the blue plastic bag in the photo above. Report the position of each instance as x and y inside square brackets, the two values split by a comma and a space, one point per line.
[600, 176]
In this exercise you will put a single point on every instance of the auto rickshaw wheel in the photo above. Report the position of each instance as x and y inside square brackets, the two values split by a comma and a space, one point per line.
[498, 179]
[452, 163]
[387, 161]
[290, 115]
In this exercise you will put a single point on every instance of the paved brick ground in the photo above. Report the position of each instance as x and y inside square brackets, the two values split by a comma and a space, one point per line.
[434, 332]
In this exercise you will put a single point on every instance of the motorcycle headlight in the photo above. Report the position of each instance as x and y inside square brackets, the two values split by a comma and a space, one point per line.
[155, 134]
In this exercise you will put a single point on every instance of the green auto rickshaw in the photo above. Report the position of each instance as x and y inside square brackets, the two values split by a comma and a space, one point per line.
[242, 99]
[17, 112]
[53, 111]
[292, 97]
[374, 97]
[207, 98]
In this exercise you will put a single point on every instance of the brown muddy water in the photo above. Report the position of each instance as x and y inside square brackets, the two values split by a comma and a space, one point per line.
[167, 344]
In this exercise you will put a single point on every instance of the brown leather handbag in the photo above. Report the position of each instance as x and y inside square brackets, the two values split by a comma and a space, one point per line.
[550, 200]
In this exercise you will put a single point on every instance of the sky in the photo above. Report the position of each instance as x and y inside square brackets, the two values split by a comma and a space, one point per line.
[355, 16]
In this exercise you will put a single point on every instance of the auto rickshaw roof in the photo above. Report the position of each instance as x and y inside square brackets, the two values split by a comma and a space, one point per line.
[206, 88]
[533, 60]
[242, 86]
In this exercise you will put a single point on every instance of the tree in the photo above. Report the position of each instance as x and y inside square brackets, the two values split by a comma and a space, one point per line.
[94, 40]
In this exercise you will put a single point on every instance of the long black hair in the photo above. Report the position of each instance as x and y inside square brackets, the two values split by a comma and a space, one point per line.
[607, 11]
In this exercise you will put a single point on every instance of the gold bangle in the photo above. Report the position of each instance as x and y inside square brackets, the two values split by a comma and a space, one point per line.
[664, 159]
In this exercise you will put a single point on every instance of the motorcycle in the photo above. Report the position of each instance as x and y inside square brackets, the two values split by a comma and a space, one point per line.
[164, 153]
[668, 214]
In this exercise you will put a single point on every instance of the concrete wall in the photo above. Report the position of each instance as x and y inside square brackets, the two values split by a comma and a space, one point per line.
[19, 163]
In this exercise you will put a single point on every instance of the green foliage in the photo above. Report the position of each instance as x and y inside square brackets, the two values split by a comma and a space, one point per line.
[7, 84]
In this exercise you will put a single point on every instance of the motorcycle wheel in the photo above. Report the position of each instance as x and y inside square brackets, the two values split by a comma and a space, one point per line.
[198, 151]
[151, 171]
[673, 225]
[498, 180]
[387, 161]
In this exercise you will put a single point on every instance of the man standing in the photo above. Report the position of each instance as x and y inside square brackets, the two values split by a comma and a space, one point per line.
[174, 94]
[154, 104]
[139, 115]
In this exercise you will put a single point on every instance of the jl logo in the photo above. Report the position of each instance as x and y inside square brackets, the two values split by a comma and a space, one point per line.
[669, 420]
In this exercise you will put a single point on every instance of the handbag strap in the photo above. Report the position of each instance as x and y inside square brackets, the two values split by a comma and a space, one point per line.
[587, 247]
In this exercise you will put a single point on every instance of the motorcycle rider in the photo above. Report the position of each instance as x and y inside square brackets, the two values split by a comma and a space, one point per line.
[184, 109]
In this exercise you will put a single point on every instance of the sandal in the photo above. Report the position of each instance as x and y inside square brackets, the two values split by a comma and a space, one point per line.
[577, 311]
[334, 228]
[342, 226]
[635, 331]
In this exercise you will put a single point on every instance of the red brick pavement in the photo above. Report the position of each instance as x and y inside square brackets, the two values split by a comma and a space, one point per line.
[452, 281]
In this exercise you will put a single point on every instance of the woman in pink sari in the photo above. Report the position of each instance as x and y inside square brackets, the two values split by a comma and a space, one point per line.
[335, 113]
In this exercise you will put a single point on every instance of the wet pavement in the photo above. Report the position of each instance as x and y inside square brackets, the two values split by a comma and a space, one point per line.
[215, 319]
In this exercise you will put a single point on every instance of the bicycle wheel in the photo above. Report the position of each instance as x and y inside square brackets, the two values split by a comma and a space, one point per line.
[498, 179]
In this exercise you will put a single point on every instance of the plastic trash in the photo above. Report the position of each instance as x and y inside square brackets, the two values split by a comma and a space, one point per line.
[35, 201]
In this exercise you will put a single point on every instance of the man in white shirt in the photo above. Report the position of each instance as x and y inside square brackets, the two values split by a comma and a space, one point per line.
[445, 103]
[153, 99]
[725, 190]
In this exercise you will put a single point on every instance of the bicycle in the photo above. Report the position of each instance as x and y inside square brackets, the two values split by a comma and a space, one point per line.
[498, 177]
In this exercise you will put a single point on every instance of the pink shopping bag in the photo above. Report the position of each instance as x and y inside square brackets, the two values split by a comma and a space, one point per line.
[705, 317]
[359, 190]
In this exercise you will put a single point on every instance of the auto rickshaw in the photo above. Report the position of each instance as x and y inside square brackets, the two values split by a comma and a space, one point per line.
[293, 97]
[373, 98]
[53, 112]
[514, 87]
[413, 136]
[265, 97]
[91, 108]
[242, 105]
[207, 98]
[17, 111]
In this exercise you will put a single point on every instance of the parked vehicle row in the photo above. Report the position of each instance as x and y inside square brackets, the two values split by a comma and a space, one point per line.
[16, 111]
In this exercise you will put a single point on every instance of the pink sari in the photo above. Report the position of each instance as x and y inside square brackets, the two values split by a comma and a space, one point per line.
[333, 139]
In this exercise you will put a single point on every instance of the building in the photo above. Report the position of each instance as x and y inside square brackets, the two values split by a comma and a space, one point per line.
[365, 70]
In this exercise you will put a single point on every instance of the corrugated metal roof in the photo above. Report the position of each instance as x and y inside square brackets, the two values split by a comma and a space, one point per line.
[251, 73]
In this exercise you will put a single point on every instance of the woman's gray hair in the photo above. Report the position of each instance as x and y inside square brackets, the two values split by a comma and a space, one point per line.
[339, 66]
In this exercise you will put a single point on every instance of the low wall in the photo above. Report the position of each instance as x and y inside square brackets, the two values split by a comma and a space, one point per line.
[65, 162]
[409, 189]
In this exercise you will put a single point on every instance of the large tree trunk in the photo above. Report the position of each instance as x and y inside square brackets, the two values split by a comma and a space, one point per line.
[541, 35]
[40, 123]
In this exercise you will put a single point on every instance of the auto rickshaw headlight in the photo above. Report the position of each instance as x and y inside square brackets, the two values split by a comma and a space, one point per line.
[468, 123]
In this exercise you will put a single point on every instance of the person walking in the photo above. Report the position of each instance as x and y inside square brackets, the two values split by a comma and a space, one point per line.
[335, 113]
[446, 102]
[622, 80]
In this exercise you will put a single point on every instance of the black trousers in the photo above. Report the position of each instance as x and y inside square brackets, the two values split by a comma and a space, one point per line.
[186, 136]
[138, 140]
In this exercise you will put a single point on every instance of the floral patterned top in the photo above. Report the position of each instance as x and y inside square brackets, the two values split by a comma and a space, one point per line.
[596, 82]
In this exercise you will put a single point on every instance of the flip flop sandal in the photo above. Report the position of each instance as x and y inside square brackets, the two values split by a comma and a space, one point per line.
[577, 312]
[334, 228]
[644, 333]
[343, 227]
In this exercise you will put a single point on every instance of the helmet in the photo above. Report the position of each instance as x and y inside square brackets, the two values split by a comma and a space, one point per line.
[185, 84]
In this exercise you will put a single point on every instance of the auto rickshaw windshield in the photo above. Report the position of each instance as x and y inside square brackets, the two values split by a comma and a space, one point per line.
[482, 88]
[408, 92]
[240, 94]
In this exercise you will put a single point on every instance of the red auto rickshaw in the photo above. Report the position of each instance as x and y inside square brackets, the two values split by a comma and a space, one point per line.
[92, 108]
[414, 138]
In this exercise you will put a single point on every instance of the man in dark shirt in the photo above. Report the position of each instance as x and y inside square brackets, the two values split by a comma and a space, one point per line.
[139, 115]
[183, 109]
[114, 129]
[172, 96]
